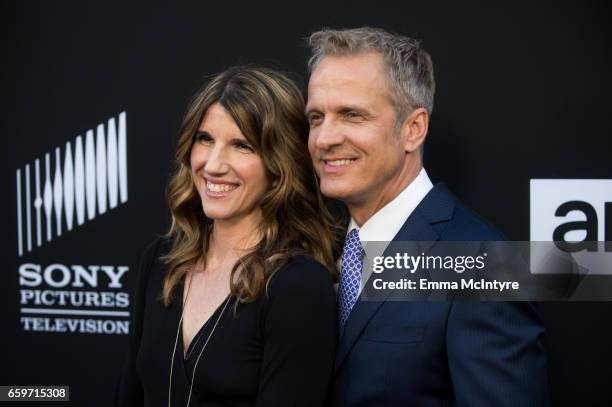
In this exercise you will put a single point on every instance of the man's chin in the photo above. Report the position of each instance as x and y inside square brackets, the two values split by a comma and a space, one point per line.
[340, 192]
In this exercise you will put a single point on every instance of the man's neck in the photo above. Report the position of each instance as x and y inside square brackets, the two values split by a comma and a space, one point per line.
[362, 211]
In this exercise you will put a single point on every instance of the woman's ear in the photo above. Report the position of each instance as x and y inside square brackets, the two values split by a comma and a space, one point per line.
[274, 182]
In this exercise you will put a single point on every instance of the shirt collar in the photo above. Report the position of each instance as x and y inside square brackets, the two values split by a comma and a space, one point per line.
[384, 224]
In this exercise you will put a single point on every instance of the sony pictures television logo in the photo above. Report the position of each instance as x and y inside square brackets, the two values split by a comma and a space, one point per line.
[577, 215]
[85, 182]
[60, 192]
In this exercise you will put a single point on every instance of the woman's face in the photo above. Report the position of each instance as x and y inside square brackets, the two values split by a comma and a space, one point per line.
[228, 174]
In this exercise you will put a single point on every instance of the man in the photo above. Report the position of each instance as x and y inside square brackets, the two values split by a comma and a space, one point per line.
[370, 96]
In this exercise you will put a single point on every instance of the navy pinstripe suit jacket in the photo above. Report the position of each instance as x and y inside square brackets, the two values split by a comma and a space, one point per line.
[442, 353]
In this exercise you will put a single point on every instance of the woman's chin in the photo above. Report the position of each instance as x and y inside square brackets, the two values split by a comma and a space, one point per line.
[217, 215]
[223, 214]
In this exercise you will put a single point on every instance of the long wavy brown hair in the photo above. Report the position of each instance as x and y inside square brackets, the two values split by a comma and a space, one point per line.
[268, 108]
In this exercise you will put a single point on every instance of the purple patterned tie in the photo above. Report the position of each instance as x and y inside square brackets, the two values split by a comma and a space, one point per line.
[350, 277]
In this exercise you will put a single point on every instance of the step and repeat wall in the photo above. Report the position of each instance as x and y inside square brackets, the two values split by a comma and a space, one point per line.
[93, 95]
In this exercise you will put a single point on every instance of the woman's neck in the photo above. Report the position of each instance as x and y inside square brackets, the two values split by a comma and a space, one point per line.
[232, 239]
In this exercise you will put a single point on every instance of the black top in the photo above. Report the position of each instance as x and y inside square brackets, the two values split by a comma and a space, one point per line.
[276, 351]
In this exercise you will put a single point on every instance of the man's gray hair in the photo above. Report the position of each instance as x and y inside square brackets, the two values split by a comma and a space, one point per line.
[411, 76]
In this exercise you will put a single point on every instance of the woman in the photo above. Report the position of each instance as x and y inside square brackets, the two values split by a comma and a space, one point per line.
[240, 309]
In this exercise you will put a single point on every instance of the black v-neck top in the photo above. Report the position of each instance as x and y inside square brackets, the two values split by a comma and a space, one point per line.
[204, 333]
[276, 351]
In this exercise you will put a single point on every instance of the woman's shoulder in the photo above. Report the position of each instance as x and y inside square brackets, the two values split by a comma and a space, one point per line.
[154, 250]
[150, 258]
[302, 273]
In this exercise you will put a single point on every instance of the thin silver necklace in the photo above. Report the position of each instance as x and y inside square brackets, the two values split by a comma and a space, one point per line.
[195, 366]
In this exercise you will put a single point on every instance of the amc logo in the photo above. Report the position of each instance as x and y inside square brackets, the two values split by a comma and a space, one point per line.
[577, 215]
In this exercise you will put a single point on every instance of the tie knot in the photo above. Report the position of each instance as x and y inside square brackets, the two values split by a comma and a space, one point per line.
[352, 247]
[353, 237]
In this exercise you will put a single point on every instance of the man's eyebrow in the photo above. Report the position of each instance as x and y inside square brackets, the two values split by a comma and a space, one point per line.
[310, 109]
[340, 109]
[346, 108]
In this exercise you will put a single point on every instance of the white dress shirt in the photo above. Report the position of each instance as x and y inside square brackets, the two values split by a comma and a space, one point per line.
[384, 224]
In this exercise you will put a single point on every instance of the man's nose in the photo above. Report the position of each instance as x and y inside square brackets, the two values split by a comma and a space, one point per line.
[328, 135]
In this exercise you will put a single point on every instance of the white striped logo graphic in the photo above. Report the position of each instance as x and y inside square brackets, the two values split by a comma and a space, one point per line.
[89, 179]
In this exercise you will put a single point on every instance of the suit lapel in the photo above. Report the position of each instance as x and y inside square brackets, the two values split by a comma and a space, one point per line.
[437, 206]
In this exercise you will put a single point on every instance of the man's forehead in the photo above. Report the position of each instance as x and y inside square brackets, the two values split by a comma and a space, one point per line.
[366, 66]
[356, 77]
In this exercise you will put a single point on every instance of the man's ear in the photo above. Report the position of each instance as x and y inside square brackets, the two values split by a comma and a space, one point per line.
[414, 130]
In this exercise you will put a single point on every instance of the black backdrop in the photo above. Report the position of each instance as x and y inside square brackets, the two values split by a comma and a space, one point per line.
[523, 92]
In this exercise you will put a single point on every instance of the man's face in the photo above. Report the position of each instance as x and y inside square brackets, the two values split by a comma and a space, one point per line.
[353, 142]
